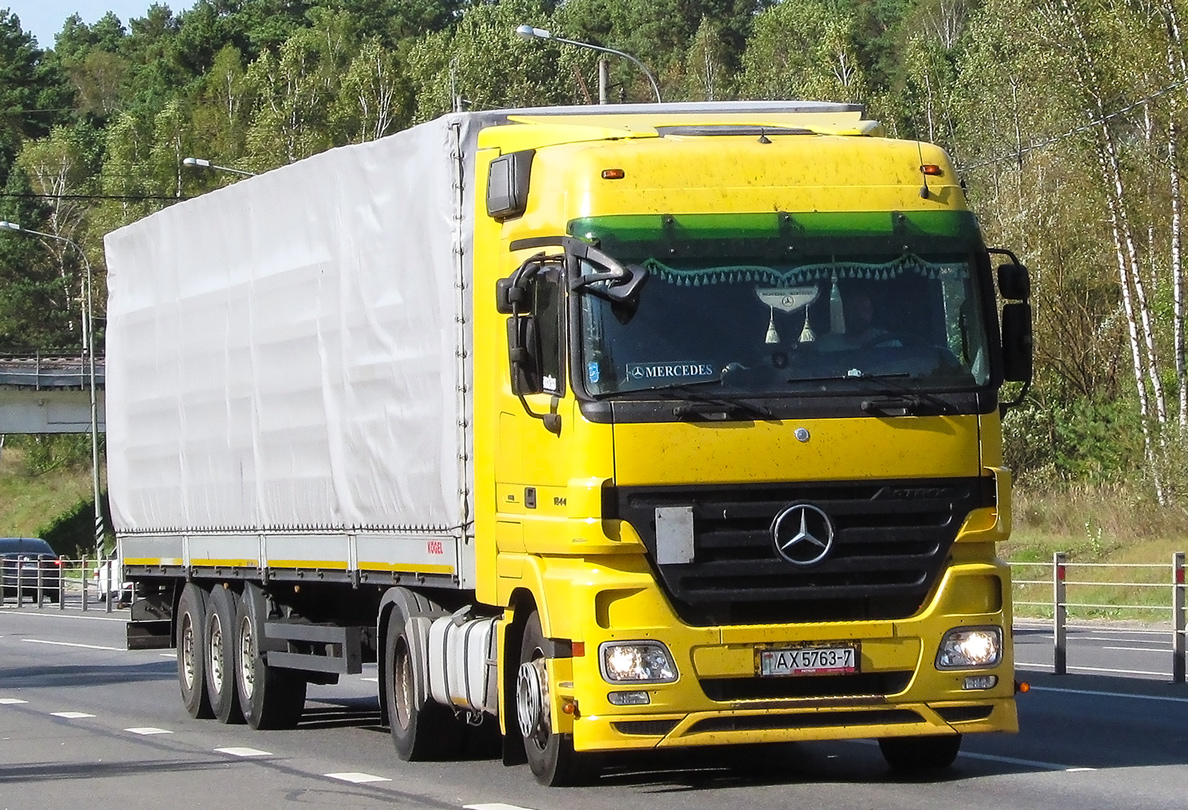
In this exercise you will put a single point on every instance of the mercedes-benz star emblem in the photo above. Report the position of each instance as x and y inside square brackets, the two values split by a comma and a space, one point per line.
[803, 534]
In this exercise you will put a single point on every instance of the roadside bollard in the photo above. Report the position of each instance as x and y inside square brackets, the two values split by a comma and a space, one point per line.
[1178, 656]
[1059, 616]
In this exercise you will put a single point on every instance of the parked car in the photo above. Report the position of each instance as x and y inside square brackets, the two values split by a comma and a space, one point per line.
[21, 558]
[110, 584]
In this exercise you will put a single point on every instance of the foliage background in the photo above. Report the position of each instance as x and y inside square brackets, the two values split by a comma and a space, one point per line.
[1065, 117]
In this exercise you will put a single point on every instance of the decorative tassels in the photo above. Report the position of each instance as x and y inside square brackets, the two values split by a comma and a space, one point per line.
[806, 334]
[837, 315]
[772, 335]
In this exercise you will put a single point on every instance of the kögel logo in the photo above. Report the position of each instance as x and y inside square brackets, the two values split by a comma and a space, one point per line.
[802, 533]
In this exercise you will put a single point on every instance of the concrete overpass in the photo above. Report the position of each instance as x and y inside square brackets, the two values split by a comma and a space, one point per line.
[48, 393]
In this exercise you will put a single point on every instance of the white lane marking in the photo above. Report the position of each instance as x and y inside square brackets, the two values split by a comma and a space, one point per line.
[11, 701]
[1024, 665]
[72, 644]
[71, 715]
[492, 806]
[67, 614]
[373, 680]
[1137, 649]
[147, 730]
[1029, 763]
[1158, 698]
[167, 655]
[357, 778]
[244, 752]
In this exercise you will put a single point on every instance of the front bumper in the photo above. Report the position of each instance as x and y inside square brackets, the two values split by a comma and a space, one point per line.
[719, 699]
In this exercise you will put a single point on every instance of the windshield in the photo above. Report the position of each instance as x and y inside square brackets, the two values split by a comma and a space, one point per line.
[776, 303]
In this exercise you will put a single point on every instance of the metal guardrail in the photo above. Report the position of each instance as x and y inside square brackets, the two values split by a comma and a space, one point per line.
[1078, 578]
[73, 584]
[79, 587]
[49, 370]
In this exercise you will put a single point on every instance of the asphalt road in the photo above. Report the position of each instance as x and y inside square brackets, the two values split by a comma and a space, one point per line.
[85, 723]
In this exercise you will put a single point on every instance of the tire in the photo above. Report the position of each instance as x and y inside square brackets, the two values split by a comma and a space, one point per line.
[220, 655]
[191, 646]
[917, 754]
[422, 730]
[551, 757]
[269, 697]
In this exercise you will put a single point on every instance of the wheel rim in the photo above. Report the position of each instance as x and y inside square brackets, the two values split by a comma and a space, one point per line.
[216, 654]
[247, 658]
[187, 650]
[532, 702]
[403, 684]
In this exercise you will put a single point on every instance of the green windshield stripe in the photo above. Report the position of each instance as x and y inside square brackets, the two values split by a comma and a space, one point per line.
[640, 229]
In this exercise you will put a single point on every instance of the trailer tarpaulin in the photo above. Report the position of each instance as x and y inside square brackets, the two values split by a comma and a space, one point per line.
[283, 353]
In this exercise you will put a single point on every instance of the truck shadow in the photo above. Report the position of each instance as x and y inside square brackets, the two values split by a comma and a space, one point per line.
[85, 676]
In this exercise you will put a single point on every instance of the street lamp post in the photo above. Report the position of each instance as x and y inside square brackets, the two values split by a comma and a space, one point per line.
[88, 337]
[529, 32]
[201, 163]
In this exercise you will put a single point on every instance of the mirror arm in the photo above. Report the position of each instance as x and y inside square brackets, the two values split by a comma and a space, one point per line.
[1003, 407]
[551, 420]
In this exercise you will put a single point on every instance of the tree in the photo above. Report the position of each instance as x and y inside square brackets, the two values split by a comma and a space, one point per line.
[805, 50]
[482, 65]
[31, 90]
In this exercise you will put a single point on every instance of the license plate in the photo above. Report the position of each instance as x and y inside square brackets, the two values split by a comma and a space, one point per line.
[832, 659]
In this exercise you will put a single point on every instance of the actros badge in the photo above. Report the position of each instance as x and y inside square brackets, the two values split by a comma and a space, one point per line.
[803, 534]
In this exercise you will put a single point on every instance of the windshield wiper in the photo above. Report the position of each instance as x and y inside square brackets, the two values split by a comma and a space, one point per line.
[899, 399]
[700, 405]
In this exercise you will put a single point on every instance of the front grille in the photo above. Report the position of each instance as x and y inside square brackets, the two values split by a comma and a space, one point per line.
[964, 714]
[859, 685]
[768, 722]
[652, 728]
[890, 543]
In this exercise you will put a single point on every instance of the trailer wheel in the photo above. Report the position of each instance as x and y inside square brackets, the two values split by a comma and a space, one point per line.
[422, 730]
[269, 697]
[916, 754]
[220, 655]
[550, 754]
[191, 658]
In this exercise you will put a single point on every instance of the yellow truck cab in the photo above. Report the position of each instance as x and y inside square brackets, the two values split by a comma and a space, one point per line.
[721, 428]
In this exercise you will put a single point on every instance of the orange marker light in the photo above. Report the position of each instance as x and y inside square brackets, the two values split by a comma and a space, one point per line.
[579, 649]
[613, 174]
[1022, 687]
[932, 170]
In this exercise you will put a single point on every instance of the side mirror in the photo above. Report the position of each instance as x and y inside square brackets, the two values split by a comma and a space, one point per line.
[523, 355]
[508, 179]
[511, 297]
[1014, 283]
[1017, 343]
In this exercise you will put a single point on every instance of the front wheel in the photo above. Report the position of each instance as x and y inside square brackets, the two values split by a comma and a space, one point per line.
[916, 754]
[550, 754]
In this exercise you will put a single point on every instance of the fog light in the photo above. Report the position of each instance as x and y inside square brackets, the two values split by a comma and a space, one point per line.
[980, 682]
[639, 661]
[970, 648]
[629, 698]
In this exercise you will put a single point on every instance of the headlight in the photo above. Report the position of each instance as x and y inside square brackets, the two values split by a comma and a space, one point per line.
[636, 662]
[970, 648]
